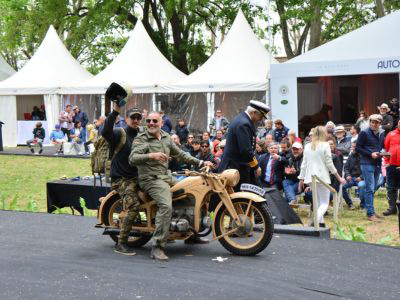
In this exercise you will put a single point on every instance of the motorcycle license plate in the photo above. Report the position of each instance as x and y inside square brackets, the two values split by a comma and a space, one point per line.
[252, 188]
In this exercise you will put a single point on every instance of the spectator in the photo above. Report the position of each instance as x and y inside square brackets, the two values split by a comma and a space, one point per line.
[166, 121]
[99, 125]
[280, 131]
[182, 131]
[266, 130]
[272, 165]
[173, 164]
[369, 145]
[57, 137]
[354, 131]
[196, 148]
[82, 118]
[260, 150]
[36, 115]
[337, 158]
[120, 122]
[292, 172]
[353, 176]
[394, 111]
[362, 122]
[308, 139]
[205, 136]
[284, 147]
[205, 153]
[92, 135]
[218, 138]
[317, 160]
[42, 113]
[219, 122]
[65, 119]
[77, 137]
[38, 137]
[293, 138]
[330, 127]
[188, 146]
[343, 143]
[387, 120]
[269, 139]
[392, 145]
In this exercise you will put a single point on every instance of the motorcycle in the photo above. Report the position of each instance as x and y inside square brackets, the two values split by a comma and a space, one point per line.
[241, 221]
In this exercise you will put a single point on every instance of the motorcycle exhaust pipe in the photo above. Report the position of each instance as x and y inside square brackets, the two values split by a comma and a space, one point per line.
[115, 231]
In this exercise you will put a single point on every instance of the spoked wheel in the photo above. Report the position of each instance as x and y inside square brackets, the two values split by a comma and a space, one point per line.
[252, 234]
[111, 217]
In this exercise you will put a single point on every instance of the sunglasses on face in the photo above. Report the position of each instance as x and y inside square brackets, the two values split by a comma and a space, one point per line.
[134, 117]
[155, 121]
[204, 146]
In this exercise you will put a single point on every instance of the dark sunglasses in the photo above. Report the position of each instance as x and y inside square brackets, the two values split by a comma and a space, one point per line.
[204, 146]
[135, 117]
[155, 121]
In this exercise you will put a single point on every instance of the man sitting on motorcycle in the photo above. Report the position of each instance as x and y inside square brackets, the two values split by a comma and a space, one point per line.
[123, 176]
[151, 151]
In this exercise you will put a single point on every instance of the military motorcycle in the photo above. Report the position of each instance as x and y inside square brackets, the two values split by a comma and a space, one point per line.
[241, 221]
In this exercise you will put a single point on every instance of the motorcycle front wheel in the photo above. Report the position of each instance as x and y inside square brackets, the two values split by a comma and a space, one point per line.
[111, 217]
[253, 235]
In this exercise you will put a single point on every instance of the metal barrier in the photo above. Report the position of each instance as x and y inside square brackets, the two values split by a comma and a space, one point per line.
[315, 200]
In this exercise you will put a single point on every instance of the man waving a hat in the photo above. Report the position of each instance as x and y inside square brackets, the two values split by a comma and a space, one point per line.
[240, 142]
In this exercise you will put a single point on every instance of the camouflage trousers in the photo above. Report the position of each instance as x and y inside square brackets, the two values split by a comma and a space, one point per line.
[127, 189]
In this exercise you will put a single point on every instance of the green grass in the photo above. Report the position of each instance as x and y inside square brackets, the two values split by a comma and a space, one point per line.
[27, 176]
[23, 187]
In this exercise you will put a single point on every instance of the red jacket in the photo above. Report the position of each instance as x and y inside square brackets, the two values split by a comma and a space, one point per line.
[392, 145]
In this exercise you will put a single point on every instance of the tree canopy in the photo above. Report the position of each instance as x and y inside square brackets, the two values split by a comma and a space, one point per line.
[186, 31]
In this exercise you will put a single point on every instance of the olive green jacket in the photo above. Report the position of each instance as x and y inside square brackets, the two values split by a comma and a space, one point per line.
[146, 143]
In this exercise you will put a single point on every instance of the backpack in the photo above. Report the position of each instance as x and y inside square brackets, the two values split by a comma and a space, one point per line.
[102, 156]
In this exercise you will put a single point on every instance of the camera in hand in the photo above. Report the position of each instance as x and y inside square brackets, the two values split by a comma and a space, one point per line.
[117, 94]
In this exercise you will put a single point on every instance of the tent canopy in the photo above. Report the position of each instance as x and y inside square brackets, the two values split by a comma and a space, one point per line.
[241, 63]
[376, 39]
[5, 69]
[139, 64]
[51, 68]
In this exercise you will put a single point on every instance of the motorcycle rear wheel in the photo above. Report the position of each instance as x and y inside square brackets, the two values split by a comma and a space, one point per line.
[240, 242]
[110, 215]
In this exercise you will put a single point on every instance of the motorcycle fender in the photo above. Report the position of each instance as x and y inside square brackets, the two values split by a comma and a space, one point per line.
[103, 201]
[238, 195]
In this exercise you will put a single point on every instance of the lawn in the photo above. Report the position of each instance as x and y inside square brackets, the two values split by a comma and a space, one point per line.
[27, 176]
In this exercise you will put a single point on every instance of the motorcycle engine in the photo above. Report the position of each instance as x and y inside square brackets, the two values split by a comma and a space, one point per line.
[182, 214]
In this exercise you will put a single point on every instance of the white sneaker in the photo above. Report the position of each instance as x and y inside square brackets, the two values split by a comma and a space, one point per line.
[36, 153]
[80, 153]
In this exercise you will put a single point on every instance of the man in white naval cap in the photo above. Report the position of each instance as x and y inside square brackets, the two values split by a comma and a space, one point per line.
[240, 143]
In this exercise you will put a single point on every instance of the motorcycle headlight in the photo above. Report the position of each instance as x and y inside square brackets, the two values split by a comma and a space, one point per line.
[231, 176]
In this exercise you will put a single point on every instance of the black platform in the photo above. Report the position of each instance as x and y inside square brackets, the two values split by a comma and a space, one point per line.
[46, 256]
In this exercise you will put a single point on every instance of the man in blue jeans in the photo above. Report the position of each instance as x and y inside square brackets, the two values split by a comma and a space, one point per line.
[292, 171]
[369, 145]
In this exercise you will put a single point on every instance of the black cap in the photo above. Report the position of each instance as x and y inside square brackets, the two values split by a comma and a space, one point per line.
[133, 111]
[261, 107]
[116, 92]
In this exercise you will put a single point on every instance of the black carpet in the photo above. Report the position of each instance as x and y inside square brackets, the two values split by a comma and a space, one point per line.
[64, 257]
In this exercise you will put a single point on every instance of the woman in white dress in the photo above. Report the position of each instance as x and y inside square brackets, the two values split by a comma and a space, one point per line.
[317, 160]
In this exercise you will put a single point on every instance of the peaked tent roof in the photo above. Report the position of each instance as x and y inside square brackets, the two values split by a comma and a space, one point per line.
[50, 68]
[376, 39]
[139, 64]
[241, 63]
[5, 69]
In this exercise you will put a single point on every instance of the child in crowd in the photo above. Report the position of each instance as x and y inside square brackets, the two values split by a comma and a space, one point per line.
[77, 138]
[57, 137]
[92, 134]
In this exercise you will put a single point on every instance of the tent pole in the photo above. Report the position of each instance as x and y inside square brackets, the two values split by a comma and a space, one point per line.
[153, 102]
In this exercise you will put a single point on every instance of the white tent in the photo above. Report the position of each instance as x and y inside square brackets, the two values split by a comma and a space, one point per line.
[237, 72]
[368, 52]
[139, 64]
[241, 63]
[51, 68]
[5, 69]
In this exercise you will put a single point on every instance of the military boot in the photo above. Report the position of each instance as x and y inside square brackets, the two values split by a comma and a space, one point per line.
[392, 197]
[123, 248]
[158, 253]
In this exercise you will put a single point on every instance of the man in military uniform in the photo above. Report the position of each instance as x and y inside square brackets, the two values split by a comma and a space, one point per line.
[123, 176]
[150, 153]
[240, 143]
